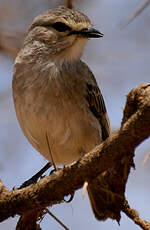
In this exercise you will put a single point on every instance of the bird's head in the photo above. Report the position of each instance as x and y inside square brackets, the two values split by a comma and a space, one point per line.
[62, 33]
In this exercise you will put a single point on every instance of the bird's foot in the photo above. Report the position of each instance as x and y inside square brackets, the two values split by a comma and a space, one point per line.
[35, 178]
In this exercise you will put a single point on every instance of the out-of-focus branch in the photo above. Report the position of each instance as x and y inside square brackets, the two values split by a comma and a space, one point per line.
[138, 12]
[11, 43]
[52, 189]
[69, 4]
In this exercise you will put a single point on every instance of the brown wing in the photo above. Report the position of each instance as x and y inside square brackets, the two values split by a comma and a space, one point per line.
[95, 100]
[97, 106]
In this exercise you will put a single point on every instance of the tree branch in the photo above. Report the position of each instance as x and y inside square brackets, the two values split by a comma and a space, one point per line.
[69, 4]
[133, 214]
[119, 147]
[11, 43]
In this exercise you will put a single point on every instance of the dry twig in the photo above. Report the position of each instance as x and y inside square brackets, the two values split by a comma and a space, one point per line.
[11, 43]
[69, 4]
[133, 214]
[138, 12]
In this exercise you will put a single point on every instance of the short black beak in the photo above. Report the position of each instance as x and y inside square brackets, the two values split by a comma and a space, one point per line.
[91, 33]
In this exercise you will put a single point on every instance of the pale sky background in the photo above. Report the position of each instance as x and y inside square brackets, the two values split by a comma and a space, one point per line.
[120, 62]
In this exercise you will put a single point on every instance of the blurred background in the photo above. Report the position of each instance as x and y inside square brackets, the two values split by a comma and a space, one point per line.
[120, 61]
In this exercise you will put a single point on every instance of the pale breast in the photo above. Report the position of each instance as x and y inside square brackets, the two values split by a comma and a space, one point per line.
[55, 107]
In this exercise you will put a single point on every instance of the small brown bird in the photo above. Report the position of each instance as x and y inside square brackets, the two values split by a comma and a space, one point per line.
[55, 94]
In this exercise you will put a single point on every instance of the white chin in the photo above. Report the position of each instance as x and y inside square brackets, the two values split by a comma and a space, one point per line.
[74, 52]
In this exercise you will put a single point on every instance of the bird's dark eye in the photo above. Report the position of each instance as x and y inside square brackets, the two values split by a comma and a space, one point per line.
[61, 27]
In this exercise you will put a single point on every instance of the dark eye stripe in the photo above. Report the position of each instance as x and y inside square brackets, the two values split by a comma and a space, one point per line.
[61, 27]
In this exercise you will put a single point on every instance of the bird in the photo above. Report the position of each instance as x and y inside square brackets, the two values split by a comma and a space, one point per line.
[58, 103]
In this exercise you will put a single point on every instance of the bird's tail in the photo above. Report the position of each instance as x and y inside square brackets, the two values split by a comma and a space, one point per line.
[104, 202]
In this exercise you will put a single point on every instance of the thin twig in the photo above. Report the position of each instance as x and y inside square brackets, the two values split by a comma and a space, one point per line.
[10, 43]
[50, 152]
[84, 189]
[137, 13]
[51, 214]
[146, 158]
[69, 4]
[133, 215]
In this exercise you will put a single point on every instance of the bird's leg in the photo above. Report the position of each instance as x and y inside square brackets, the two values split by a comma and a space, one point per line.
[35, 178]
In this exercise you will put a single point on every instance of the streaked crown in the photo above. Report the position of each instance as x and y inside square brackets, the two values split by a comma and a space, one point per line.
[72, 18]
[61, 34]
